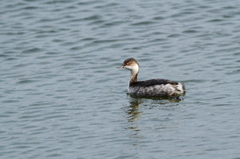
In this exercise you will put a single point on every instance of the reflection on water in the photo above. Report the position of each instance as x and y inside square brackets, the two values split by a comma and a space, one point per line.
[137, 114]
[133, 112]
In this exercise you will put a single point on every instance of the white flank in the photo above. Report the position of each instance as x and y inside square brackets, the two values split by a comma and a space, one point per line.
[180, 87]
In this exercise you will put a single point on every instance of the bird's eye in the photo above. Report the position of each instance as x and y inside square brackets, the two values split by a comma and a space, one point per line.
[127, 63]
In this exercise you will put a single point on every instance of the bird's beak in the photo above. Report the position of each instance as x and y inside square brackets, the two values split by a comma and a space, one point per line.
[121, 66]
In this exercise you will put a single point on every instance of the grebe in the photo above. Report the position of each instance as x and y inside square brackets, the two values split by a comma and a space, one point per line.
[153, 87]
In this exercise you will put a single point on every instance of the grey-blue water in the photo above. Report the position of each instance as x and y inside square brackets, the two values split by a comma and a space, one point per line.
[61, 95]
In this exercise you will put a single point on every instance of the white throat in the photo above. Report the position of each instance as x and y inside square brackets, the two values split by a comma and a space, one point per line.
[134, 70]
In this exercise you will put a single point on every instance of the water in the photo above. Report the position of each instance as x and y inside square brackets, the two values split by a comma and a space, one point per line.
[62, 97]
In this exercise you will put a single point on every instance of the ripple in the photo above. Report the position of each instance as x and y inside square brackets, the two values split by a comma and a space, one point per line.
[143, 23]
[32, 50]
[190, 31]
[26, 81]
[59, 85]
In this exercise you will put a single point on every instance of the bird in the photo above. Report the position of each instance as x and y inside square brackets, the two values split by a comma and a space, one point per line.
[152, 87]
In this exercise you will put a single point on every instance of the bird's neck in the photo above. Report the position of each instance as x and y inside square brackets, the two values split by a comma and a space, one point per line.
[134, 74]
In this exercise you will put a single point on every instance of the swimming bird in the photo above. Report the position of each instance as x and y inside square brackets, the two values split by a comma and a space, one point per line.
[152, 87]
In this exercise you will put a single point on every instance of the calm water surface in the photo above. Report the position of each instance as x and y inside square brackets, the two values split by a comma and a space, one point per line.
[61, 95]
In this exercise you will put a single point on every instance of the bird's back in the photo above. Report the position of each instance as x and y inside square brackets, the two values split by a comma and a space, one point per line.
[156, 87]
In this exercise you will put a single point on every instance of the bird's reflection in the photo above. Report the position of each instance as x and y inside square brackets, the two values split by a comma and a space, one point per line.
[136, 122]
[133, 112]
[133, 109]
